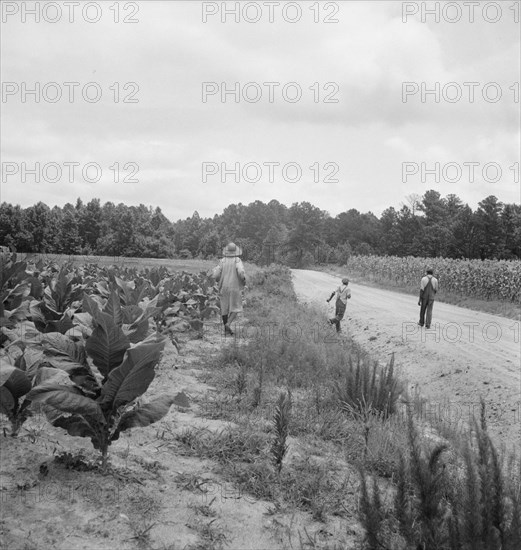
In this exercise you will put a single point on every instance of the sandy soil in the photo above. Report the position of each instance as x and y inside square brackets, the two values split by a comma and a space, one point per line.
[464, 356]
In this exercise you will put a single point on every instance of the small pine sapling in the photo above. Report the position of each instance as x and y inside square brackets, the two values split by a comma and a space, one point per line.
[279, 445]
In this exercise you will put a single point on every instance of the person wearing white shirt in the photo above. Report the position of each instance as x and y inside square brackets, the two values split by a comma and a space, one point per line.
[428, 290]
[342, 295]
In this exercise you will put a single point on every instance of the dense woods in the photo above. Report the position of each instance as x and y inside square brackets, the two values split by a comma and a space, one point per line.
[428, 225]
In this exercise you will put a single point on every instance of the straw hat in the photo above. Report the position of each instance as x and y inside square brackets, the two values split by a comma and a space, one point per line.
[231, 250]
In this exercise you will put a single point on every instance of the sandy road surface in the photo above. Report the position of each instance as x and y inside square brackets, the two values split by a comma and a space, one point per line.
[465, 354]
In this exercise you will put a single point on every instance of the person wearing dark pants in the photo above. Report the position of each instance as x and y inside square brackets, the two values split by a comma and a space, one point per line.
[428, 289]
[342, 295]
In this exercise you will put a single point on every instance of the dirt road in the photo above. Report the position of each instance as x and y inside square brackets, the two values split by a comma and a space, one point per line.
[464, 356]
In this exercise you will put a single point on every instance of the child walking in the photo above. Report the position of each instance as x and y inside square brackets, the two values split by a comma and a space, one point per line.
[342, 295]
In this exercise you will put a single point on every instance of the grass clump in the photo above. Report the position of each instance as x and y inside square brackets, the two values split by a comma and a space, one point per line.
[368, 390]
[445, 499]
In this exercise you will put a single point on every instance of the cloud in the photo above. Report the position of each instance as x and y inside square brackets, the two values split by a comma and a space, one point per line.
[170, 132]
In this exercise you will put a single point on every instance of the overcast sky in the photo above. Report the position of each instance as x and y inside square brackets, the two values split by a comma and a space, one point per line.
[169, 132]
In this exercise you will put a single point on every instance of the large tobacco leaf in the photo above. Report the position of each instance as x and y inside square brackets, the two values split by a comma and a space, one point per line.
[62, 291]
[107, 343]
[66, 399]
[11, 272]
[57, 344]
[146, 414]
[77, 426]
[52, 376]
[132, 378]
[137, 331]
[47, 320]
[13, 379]
[131, 314]
[113, 308]
[130, 292]
[13, 298]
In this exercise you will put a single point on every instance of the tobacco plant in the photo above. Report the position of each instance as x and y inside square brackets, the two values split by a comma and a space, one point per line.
[102, 405]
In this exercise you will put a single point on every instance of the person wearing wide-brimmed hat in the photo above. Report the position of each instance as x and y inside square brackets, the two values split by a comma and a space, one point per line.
[342, 295]
[428, 289]
[230, 275]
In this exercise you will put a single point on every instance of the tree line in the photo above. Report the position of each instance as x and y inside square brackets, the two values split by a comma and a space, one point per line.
[428, 226]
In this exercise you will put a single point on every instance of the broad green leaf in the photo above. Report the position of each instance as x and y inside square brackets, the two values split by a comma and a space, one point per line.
[7, 401]
[107, 344]
[126, 288]
[33, 356]
[35, 312]
[64, 364]
[66, 399]
[61, 326]
[47, 320]
[102, 288]
[140, 292]
[6, 321]
[55, 344]
[20, 314]
[146, 414]
[132, 378]
[61, 291]
[131, 314]
[36, 287]
[52, 376]
[77, 427]
[92, 307]
[113, 308]
[16, 296]
[79, 332]
[83, 318]
[174, 310]
[15, 380]
[150, 310]
[136, 332]
[12, 271]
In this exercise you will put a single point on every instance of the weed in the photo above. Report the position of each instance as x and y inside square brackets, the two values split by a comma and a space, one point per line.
[192, 482]
[76, 461]
[240, 381]
[212, 536]
[279, 446]
[205, 510]
[141, 531]
[365, 389]
[461, 504]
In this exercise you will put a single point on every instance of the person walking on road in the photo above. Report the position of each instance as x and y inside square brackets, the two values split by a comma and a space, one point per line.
[342, 295]
[428, 289]
[230, 275]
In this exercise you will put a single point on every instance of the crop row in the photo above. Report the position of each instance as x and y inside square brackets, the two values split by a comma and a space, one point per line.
[488, 279]
[81, 344]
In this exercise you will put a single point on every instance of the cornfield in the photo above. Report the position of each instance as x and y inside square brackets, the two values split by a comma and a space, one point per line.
[488, 279]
